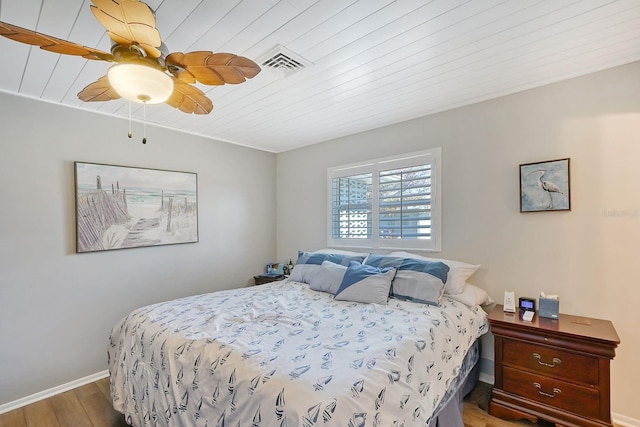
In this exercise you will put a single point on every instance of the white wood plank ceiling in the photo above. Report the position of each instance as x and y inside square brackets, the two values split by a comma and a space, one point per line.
[371, 63]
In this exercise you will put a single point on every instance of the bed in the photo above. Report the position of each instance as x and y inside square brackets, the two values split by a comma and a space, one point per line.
[284, 354]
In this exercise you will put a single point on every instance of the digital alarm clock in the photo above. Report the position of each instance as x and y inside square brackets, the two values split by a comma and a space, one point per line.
[527, 304]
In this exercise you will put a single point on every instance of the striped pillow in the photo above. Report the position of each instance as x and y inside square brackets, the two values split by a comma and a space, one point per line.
[416, 280]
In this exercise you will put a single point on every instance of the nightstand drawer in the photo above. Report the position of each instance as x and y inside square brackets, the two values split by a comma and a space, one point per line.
[549, 391]
[262, 279]
[551, 362]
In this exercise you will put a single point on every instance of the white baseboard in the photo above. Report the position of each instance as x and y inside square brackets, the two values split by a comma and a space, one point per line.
[486, 378]
[624, 421]
[52, 392]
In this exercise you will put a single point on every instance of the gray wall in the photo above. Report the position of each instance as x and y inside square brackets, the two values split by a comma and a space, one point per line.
[57, 307]
[587, 256]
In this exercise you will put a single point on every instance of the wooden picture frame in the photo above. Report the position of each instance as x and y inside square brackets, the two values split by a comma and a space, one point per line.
[120, 207]
[545, 186]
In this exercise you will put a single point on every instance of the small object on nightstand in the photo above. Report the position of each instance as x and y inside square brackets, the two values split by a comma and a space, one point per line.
[509, 301]
[527, 304]
[527, 315]
[275, 269]
[549, 306]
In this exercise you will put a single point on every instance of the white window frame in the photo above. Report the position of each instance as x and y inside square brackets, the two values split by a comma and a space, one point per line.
[432, 157]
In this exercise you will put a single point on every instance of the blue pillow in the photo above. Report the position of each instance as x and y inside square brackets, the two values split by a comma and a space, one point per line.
[416, 280]
[309, 263]
[364, 283]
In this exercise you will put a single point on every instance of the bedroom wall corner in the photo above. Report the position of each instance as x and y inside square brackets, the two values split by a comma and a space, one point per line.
[57, 307]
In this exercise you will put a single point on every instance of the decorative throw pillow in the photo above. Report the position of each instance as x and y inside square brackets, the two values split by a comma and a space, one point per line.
[365, 283]
[416, 280]
[328, 277]
[459, 272]
[309, 263]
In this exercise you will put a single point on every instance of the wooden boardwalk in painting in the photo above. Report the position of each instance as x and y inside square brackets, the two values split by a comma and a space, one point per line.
[96, 212]
[136, 235]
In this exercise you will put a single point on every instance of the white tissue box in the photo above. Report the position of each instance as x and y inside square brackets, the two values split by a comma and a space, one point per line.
[549, 307]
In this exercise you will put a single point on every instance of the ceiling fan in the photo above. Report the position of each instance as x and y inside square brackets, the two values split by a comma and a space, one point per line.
[144, 71]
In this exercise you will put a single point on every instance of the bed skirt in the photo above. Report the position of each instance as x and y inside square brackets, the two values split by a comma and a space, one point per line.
[450, 409]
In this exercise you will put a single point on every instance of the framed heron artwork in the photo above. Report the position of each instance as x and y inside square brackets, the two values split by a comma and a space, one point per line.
[545, 186]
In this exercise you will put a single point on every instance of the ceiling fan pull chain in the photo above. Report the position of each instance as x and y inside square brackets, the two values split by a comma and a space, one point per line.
[130, 133]
[144, 123]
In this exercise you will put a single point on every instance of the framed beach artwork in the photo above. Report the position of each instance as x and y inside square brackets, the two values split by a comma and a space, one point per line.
[120, 207]
[545, 186]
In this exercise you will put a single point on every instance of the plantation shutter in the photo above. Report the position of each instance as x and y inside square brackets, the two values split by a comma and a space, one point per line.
[405, 203]
[351, 207]
[388, 203]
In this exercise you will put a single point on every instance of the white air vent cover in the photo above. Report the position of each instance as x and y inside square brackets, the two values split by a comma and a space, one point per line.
[283, 61]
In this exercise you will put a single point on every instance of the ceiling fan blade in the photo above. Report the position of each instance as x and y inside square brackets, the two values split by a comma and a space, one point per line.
[99, 90]
[211, 68]
[176, 67]
[50, 43]
[189, 99]
[128, 22]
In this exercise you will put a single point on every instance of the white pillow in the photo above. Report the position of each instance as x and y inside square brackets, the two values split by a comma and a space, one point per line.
[340, 252]
[328, 277]
[459, 272]
[472, 296]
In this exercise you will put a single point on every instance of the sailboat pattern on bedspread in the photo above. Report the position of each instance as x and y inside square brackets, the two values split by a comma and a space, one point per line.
[282, 354]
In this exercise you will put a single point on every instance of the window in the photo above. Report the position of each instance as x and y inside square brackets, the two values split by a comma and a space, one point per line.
[390, 203]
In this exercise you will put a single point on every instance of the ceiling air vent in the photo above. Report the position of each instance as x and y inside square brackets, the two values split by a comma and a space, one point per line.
[283, 61]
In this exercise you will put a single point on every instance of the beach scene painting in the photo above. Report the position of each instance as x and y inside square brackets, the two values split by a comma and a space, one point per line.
[545, 186]
[120, 207]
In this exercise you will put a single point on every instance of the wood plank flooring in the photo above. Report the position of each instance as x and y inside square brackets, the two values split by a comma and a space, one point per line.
[86, 406]
[90, 406]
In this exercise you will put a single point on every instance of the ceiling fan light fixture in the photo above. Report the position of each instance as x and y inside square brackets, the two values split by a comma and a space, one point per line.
[140, 83]
[145, 71]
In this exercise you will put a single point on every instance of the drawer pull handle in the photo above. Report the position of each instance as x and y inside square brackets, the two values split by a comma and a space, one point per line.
[555, 362]
[556, 391]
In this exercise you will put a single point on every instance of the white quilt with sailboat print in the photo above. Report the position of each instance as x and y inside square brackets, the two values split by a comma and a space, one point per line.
[282, 354]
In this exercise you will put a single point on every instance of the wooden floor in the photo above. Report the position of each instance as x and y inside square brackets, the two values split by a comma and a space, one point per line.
[90, 406]
[86, 406]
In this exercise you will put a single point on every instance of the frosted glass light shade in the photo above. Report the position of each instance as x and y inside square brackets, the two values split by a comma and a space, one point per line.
[140, 83]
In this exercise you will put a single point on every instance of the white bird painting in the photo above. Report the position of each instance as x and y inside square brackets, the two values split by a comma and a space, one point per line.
[545, 186]
[548, 186]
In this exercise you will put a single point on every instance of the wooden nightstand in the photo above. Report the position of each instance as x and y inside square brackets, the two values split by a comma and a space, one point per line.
[261, 279]
[552, 369]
